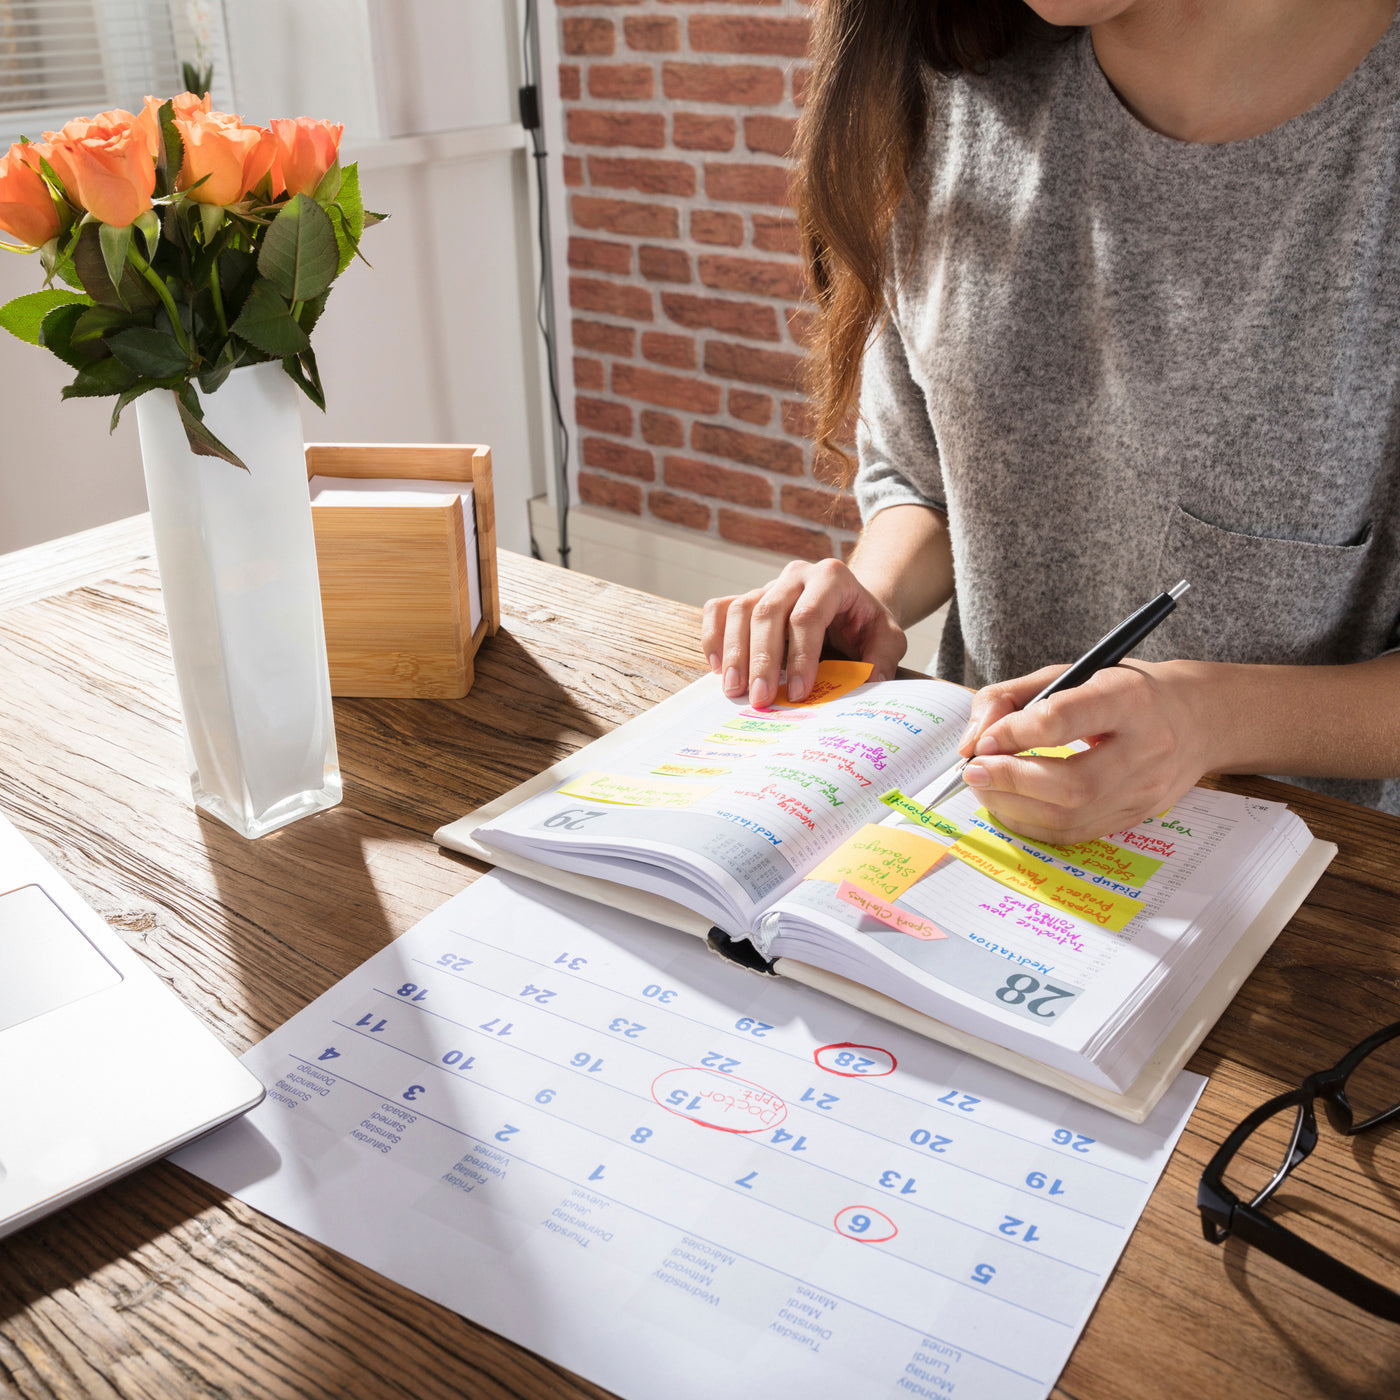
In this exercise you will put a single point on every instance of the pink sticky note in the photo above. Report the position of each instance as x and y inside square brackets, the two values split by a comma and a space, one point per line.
[876, 908]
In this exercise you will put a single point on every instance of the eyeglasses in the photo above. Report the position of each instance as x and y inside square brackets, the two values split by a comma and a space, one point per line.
[1361, 1091]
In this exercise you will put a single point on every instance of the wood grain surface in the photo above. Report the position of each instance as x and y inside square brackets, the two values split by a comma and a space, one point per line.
[161, 1286]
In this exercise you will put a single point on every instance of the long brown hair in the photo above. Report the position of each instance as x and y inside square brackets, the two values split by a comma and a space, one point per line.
[868, 104]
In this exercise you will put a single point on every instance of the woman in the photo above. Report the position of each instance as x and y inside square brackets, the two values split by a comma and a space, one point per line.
[1129, 296]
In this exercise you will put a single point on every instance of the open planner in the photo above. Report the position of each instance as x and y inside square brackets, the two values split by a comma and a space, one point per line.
[793, 839]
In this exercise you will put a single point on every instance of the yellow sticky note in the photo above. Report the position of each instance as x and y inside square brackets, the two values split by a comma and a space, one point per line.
[748, 725]
[834, 679]
[1102, 857]
[688, 770]
[628, 791]
[737, 737]
[1058, 751]
[914, 812]
[881, 860]
[1027, 875]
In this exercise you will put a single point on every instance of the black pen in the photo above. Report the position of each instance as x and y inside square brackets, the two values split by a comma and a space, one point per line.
[1108, 651]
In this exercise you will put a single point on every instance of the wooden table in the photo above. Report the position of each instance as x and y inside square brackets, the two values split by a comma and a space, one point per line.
[162, 1287]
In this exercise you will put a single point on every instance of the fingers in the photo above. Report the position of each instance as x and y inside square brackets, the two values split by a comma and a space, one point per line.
[712, 630]
[993, 703]
[1105, 703]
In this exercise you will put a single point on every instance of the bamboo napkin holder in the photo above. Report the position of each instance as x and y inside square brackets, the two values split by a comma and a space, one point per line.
[395, 579]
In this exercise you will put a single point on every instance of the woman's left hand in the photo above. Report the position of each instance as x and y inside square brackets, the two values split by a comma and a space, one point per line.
[1148, 731]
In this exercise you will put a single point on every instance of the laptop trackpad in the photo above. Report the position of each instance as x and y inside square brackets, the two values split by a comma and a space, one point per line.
[46, 961]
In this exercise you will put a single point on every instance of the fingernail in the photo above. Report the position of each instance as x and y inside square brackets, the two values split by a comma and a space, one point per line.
[986, 745]
[714, 662]
[795, 689]
[758, 693]
[974, 775]
[733, 681]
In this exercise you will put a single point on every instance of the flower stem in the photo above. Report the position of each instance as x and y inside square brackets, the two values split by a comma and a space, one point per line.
[163, 292]
[216, 292]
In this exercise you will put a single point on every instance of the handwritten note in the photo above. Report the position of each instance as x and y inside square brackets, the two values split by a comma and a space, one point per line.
[750, 725]
[914, 812]
[881, 860]
[1019, 871]
[634, 792]
[684, 770]
[1102, 857]
[732, 736]
[834, 679]
[888, 914]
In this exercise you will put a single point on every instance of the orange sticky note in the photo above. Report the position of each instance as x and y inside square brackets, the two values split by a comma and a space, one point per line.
[834, 679]
[881, 860]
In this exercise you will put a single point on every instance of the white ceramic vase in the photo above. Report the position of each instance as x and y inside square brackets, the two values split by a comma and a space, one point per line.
[237, 559]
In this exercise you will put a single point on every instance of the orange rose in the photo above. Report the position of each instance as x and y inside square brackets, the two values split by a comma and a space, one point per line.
[107, 165]
[306, 149]
[234, 156]
[27, 210]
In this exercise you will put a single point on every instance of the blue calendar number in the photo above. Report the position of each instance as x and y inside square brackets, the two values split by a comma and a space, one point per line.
[572, 963]
[1077, 1141]
[965, 1103]
[823, 1101]
[412, 991]
[749, 1026]
[781, 1136]
[897, 1181]
[505, 1133]
[413, 1091]
[631, 1029]
[495, 1026]
[583, 1060]
[453, 963]
[1018, 1229]
[935, 1142]
[374, 1026]
[983, 1273]
[641, 1135]
[1037, 1182]
[329, 1053]
[714, 1060]
[458, 1059]
[545, 1096]
[536, 994]
[665, 995]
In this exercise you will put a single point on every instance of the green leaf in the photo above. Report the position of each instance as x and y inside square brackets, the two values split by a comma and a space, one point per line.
[126, 396]
[150, 353]
[201, 440]
[299, 254]
[329, 185]
[266, 322]
[229, 357]
[94, 323]
[149, 224]
[107, 376]
[302, 370]
[212, 220]
[347, 218]
[310, 313]
[115, 244]
[56, 333]
[91, 267]
[24, 316]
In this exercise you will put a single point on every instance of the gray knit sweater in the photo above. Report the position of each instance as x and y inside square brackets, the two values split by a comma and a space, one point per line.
[1117, 360]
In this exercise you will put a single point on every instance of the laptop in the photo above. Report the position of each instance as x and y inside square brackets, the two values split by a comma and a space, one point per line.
[102, 1067]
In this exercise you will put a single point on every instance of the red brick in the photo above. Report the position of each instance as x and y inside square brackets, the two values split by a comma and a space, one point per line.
[743, 83]
[595, 490]
[594, 36]
[568, 82]
[652, 33]
[802, 324]
[663, 264]
[746, 318]
[717, 226]
[611, 340]
[611, 298]
[752, 408]
[824, 507]
[615, 128]
[621, 82]
[775, 234]
[772, 135]
[778, 535]
[775, 368]
[800, 79]
[618, 457]
[754, 449]
[724, 483]
[598, 255]
[665, 390]
[604, 416]
[573, 170]
[797, 418]
[679, 510]
[645, 176]
[749, 184]
[662, 429]
[742, 34]
[588, 373]
[678, 351]
[626, 216]
[692, 132]
[756, 276]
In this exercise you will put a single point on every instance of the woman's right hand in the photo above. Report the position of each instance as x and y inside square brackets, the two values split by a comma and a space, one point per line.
[747, 637]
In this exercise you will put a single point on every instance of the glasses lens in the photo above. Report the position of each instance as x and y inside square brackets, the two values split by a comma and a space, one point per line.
[1374, 1085]
[1262, 1155]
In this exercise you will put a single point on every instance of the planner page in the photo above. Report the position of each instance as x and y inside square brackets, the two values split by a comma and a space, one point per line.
[680, 1179]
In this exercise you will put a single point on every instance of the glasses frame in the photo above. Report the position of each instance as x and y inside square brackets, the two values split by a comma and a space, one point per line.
[1223, 1213]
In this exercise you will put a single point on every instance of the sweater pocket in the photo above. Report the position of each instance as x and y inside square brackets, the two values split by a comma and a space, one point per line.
[1259, 600]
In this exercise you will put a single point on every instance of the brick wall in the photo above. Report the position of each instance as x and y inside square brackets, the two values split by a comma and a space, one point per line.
[685, 290]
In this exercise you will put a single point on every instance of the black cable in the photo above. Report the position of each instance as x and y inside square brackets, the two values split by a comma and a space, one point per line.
[531, 118]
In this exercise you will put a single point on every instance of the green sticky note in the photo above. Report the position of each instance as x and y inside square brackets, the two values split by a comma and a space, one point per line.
[907, 807]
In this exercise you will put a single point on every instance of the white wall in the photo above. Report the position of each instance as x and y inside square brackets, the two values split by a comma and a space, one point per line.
[435, 344]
